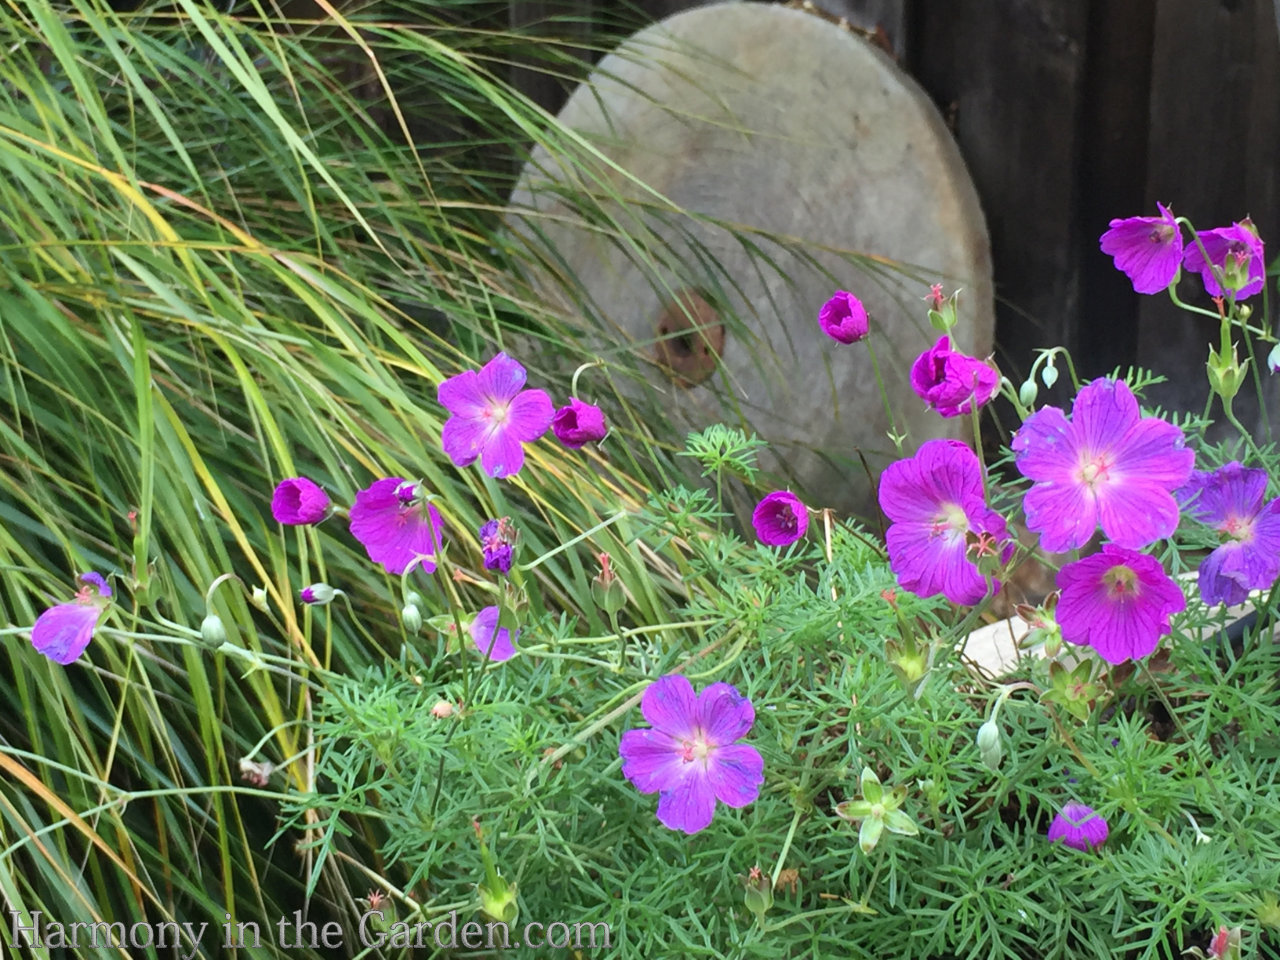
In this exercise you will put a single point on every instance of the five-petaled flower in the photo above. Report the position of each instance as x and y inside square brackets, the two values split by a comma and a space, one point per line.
[493, 416]
[299, 501]
[843, 318]
[62, 632]
[577, 424]
[1079, 827]
[1147, 249]
[397, 525]
[780, 519]
[495, 642]
[951, 382]
[1236, 253]
[1107, 465]
[941, 523]
[1118, 602]
[690, 756]
[1230, 501]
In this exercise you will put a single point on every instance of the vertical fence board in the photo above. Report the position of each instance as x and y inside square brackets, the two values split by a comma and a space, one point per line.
[1213, 143]
[1010, 73]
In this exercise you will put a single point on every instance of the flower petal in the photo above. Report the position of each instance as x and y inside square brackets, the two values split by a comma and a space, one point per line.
[689, 805]
[669, 705]
[1102, 414]
[501, 378]
[502, 454]
[63, 632]
[735, 773]
[462, 395]
[651, 759]
[463, 439]
[529, 415]
[724, 715]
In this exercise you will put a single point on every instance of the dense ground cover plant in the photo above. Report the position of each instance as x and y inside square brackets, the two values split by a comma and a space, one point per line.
[436, 655]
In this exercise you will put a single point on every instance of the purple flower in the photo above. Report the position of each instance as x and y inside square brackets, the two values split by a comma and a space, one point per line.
[396, 525]
[578, 423]
[496, 643]
[493, 416]
[941, 523]
[780, 519]
[843, 318]
[318, 594]
[1118, 602]
[1079, 827]
[498, 540]
[1147, 249]
[1108, 465]
[690, 755]
[61, 633]
[951, 382]
[1230, 501]
[1237, 252]
[298, 501]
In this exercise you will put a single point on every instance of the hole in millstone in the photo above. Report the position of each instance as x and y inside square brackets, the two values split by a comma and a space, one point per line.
[689, 338]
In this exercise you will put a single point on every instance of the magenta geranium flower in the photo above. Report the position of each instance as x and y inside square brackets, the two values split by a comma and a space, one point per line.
[1230, 501]
[495, 642]
[843, 318]
[1079, 827]
[396, 525]
[498, 542]
[298, 501]
[1147, 249]
[1118, 602]
[63, 632]
[780, 519]
[493, 416]
[1237, 252]
[941, 523]
[952, 382]
[1108, 464]
[578, 423]
[690, 756]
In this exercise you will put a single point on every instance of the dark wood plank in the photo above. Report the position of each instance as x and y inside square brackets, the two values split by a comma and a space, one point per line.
[1010, 73]
[1214, 139]
[1113, 175]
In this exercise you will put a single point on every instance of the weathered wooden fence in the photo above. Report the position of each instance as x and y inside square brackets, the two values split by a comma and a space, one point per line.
[1068, 113]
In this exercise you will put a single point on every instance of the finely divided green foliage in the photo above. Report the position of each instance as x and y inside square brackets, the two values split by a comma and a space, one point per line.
[216, 270]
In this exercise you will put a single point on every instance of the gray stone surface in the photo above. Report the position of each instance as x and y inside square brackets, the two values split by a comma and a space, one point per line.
[760, 118]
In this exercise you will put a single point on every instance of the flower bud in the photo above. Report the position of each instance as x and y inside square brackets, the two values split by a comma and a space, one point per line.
[1226, 376]
[1273, 358]
[1049, 374]
[989, 745]
[1028, 392]
[258, 598]
[758, 894]
[318, 594]
[212, 632]
[443, 710]
[606, 589]
[411, 617]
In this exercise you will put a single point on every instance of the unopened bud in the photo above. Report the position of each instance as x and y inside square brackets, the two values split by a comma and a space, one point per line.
[212, 632]
[1273, 358]
[1049, 374]
[258, 597]
[318, 594]
[1226, 375]
[989, 745]
[443, 710]
[411, 617]
[1028, 392]
[758, 893]
[606, 589]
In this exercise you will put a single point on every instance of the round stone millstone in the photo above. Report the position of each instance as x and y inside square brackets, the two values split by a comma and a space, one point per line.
[770, 122]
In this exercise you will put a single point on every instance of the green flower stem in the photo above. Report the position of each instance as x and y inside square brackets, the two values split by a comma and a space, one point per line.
[884, 397]
[533, 564]
[573, 384]
[1173, 295]
[451, 598]
[975, 419]
[786, 846]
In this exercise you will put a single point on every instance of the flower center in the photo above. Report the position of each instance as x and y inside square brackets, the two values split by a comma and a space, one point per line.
[1121, 582]
[1161, 234]
[1239, 528]
[950, 517]
[785, 518]
[695, 748]
[1093, 471]
[497, 413]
